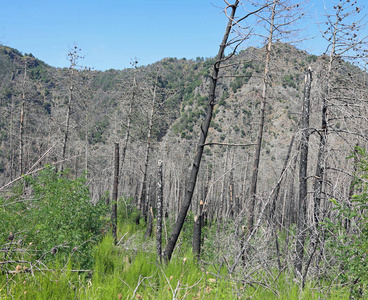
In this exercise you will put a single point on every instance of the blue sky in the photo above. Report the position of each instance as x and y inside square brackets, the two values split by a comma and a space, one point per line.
[113, 32]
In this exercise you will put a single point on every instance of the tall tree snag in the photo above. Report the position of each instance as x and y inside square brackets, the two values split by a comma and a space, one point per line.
[253, 187]
[21, 124]
[197, 231]
[159, 212]
[143, 185]
[114, 200]
[73, 58]
[303, 186]
[202, 140]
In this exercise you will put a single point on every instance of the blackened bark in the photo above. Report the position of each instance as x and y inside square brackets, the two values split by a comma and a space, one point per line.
[114, 200]
[143, 186]
[303, 186]
[159, 212]
[203, 135]
[128, 127]
[253, 188]
[231, 193]
[21, 124]
[67, 121]
[321, 159]
[149, 223]
[197, 232]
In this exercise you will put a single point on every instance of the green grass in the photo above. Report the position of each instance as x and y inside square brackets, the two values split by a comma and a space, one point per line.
[131, 271]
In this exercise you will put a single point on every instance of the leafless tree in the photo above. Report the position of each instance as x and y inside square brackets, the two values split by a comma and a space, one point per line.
[303, 177]
[73, 57]
[206, 123]
[280, 16]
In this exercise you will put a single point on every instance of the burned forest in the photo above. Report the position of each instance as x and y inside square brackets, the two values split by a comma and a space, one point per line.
[237, 176]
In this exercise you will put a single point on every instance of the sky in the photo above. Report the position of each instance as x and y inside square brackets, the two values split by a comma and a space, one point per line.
[112, 33]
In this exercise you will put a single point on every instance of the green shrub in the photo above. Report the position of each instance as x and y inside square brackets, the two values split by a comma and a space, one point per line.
[349, 239]
[56, 219]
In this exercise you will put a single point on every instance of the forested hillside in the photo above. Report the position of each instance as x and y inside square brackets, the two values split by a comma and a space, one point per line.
[266, 195]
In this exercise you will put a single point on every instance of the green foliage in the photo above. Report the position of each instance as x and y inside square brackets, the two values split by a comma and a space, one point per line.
[38, 72]
[209, 62]
[312, 58]
[222, 101]
[127, 211]
[136, 275]
[106, 80]
[96, 135]
[57, 217]
[288, 80]
[349, 238]
[239, 81]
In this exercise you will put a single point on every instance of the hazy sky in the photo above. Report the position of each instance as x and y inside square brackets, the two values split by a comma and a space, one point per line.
[113, 32]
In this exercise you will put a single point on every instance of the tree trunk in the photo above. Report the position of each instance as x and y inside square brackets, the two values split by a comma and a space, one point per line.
[253, 187]
[67, 121]
[143, 185]
[21, 124]
[303, 184]
[231, 204]
[197, 231]
[222, 207]
[159, 212]
[321, 159]
[127, 132]
[149, 222]
[114, 200]
[204, 131]
[277, 190]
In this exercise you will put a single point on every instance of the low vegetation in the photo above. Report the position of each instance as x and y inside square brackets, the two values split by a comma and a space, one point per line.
[56, 244]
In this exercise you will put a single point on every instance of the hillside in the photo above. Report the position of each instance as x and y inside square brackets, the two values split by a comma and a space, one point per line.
[100, 105]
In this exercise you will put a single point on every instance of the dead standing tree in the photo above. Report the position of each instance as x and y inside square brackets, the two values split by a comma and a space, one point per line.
[73, 57]
[206, 124]
[114, 200]
[343, 42]
[128, 125]
[21, 123]
[159, 212]
[141, 203]
[339, 103]
[280, 16]
[303, 184]
[253, 187]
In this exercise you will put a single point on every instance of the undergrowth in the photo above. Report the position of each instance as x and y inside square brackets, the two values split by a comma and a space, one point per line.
[130, 271]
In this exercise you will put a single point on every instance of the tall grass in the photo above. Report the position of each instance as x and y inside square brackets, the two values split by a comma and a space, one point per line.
[130, 271]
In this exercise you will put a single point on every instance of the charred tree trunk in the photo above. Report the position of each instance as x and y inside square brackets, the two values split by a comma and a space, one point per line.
[128, 126]
[203, 135]
[253, 187]
[159, 212]
[231, 204]
[321, 160]
[143, 185]
[303, 184]
[222, 207]
[197, 231]
[68, 109]
[21, 124]
[114, 200]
